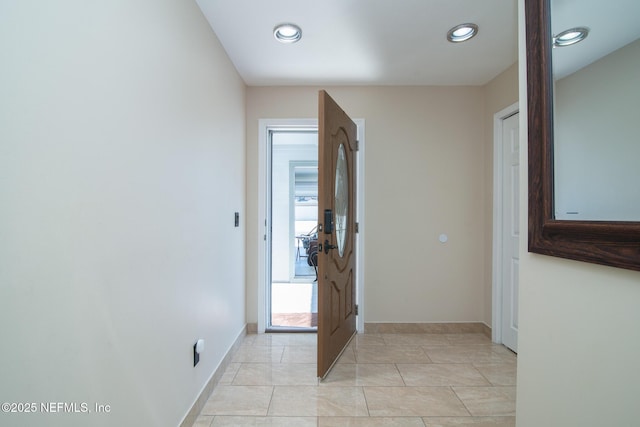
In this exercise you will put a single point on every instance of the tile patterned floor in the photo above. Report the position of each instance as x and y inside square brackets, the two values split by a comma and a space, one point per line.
[392, 380]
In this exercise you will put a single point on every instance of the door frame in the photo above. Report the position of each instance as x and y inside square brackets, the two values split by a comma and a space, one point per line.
[264, 209]
[498, 221]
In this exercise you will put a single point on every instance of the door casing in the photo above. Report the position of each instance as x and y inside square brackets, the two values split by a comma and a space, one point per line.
[264, 173]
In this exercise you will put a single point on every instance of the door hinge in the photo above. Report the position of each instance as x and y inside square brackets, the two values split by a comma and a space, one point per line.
[356, 309]
[357, 145]
[357, 227]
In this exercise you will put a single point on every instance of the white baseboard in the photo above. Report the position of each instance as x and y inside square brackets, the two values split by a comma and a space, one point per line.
[190, 419]
[427, 328]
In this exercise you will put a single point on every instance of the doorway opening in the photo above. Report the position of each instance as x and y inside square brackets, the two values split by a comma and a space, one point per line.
[263, 251]
[293, 226]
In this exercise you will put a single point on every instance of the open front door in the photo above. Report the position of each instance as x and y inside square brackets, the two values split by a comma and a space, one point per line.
[336, 215]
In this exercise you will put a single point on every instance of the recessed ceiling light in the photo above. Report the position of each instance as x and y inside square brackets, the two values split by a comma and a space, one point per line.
[462, 32]
[287, 33]
[571, 36]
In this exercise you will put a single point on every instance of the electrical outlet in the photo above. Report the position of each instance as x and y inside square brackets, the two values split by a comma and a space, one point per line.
[198, 348]
[196, 355]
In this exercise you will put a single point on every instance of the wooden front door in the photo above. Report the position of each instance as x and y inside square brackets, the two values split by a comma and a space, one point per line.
[336, 212]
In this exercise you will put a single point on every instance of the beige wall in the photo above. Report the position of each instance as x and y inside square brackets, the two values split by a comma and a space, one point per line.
[121, 166]
[425, 175]
[579, 343]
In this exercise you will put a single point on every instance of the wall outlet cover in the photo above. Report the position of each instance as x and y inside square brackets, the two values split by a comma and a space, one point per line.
[196, 355]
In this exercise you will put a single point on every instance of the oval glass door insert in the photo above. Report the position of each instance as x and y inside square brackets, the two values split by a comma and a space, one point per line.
[341, 204]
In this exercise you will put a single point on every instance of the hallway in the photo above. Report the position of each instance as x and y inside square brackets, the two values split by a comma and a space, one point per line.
[422, 380]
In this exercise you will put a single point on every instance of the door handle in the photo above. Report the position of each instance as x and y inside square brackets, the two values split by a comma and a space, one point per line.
[328, 246]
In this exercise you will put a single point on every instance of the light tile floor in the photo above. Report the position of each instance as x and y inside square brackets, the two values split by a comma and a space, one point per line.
[393, 380]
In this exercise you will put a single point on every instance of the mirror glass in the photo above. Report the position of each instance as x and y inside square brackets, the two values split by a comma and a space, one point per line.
[341, 204]
[596, 86]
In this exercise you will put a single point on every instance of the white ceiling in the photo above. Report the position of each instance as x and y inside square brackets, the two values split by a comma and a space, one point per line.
[613, 24]
[366, 42]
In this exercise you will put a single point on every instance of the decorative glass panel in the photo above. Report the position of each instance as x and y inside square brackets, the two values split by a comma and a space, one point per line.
[341, 200]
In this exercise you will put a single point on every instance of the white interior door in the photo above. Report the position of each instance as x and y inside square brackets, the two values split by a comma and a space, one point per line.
[510, 231]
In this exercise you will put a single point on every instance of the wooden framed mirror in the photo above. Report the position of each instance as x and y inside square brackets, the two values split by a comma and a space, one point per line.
[608, 242]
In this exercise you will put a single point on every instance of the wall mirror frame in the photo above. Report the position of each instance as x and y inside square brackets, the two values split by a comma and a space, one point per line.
[612, 243]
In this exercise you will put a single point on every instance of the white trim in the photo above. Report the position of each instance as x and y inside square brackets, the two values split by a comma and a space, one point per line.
[292, 221]
[496, 317]
[264, 126]
[264, 174]
[361, 227]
